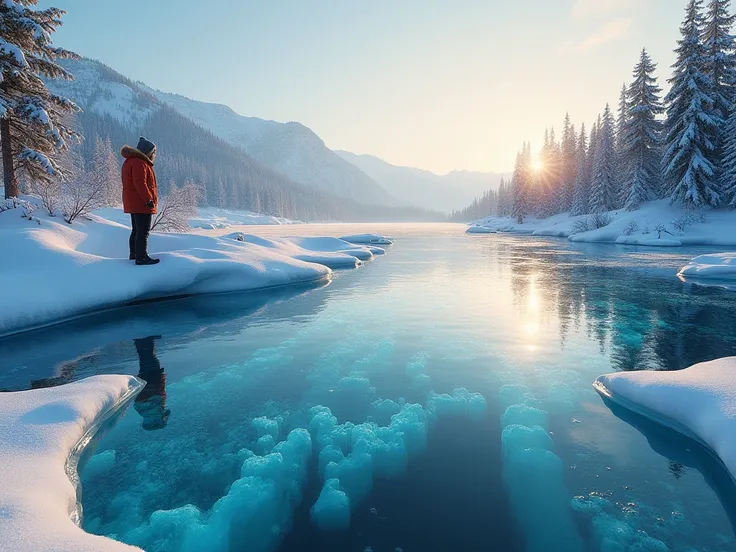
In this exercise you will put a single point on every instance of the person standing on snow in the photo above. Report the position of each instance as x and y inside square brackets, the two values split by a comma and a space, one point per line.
[140, 197]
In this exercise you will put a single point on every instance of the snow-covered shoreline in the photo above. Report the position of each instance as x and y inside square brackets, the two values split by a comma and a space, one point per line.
[655, 224]
[43, 432]
[59, 272]
[698, 402]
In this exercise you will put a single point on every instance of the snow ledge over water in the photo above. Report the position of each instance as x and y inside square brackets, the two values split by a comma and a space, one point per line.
[699, 402]
[42, 433]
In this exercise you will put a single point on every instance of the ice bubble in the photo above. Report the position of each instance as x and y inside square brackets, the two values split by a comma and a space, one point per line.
[265, 426]
[516, 438]
[461, 403]
[330, 453]
[412, 422]
[521, 414]
[265, 444]
[331, 512]
[99, 464]
[355, 474]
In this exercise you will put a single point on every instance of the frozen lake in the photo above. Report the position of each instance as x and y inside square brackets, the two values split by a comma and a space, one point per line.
[527, 323]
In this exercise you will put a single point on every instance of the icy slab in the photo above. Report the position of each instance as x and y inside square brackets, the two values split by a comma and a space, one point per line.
[42, 433]
[719, 266]
[368, 239]
[88, 264]
[699, 402]
[480, 230]
[330, 252]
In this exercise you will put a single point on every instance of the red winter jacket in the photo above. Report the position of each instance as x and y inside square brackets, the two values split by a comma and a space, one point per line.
[139, 182]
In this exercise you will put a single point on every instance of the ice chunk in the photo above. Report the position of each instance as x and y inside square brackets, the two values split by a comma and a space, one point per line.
[480, 230]
[412, 422]
[264, 426]
[521, 414]
[368, 239]
[99, 465]
[718, 266]
[331, 512]
[329, 454]
[699, 402]
[461, 403]
[355, 473]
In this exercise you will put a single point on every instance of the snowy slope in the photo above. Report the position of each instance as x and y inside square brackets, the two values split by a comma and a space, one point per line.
[453, 191]
[289, 148]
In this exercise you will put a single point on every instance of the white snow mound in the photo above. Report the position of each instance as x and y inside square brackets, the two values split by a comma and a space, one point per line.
[70, 270]
[718, 266]
[699, 402]
[368, 239]
[42, 433]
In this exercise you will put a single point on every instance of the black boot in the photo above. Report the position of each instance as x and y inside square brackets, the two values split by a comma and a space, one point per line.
[147, 261]
[131, 257]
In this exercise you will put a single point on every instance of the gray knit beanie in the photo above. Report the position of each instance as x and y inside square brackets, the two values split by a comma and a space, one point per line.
[146, 146]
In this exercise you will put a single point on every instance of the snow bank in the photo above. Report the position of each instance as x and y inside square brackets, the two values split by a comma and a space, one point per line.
[212, 218]
[699, 402]
[42, 433]
[655, 224]
[480, 230]
[718, 266]
[368, 239]
[330, 252]
[84, 267]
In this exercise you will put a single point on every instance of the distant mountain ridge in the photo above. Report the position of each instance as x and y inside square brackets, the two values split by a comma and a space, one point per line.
[289, 148]
[445, 193]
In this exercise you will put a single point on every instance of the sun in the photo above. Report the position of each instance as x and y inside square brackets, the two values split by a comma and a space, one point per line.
[537, 164]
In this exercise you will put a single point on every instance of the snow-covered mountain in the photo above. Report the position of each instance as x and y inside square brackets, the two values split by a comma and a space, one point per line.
[289, 148]
[426, 189]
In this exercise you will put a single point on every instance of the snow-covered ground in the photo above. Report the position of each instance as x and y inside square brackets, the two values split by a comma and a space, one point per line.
[656, 223]
[211, 218]
[699, 402]
[43, 432]
[60, 271]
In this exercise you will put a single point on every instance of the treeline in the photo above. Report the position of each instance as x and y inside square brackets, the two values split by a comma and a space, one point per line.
[682, 146]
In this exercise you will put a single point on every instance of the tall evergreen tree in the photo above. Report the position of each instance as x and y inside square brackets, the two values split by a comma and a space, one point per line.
[604, 185]
[521, 184]
[641, 136]
[581, 192]
[692, 124]
[568, 166]
[32, 125]
[728, 176]
[720, 52]
[623, 114]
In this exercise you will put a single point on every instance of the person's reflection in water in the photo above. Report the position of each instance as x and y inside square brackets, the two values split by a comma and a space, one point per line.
[151, 401]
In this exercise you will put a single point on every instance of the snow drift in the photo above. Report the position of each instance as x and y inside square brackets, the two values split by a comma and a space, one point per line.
[42, 433]
[699, 402]
[718, 266]
[62, 271]
[655, 224]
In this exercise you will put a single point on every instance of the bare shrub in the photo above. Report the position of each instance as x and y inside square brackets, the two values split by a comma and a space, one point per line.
[176, 208]
[591, 222]
[81, 195]
[631, 228]
[50, 193]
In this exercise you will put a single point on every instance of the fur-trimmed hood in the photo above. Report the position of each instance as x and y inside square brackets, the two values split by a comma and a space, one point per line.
[130, 153]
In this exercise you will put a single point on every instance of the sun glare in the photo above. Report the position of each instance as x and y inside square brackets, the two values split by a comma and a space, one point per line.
[537, 164]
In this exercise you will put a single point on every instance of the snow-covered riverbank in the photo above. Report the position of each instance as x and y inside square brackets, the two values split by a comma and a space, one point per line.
[54, 271]
[656, 223]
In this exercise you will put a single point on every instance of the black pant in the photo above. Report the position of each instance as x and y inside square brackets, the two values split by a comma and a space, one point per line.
[141, 224]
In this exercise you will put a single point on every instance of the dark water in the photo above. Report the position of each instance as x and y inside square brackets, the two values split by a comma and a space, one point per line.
[526, 323]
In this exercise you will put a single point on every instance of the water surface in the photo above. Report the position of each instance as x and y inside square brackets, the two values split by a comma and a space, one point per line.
[528, 323]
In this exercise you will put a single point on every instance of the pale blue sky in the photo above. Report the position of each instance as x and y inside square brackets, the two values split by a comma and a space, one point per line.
[440, 85]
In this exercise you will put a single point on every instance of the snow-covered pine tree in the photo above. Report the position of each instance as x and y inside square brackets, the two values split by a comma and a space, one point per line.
[621, 163]
[106, 173]
[720, 52]
[32, 126]
[581, 192]
[568, 166]
[604, 185]
[641, 152]
[520, 183]
[728, 175]
[501, 196]
[692, 124]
